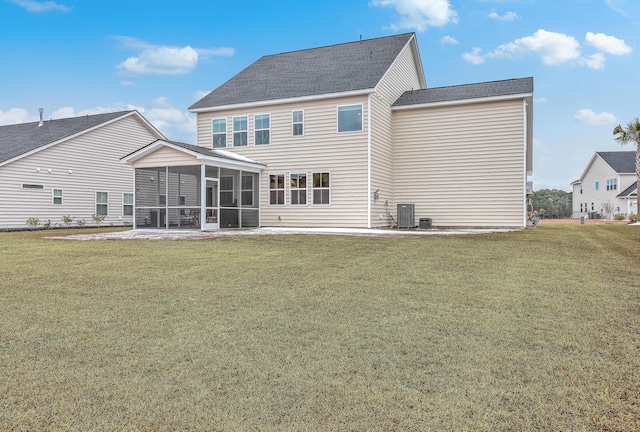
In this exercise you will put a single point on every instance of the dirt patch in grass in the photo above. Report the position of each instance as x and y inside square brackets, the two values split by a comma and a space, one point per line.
[529, 330]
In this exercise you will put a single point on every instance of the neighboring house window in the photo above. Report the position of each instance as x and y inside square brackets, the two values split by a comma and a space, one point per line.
[350, 118]
[580, 207]
[102, 203]
[247, 190]
[298, 189]
[219, 132]
[612, 184]
[127, 204]
[581, 189]
[298, 122]
[597, 185]
[226, 191]
[321, 188]
[240, 131]
[57, 196]
[592, 207]
[276, 189]
[262, 125]
[32, 186]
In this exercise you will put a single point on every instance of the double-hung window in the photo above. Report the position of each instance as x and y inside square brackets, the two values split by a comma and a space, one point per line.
[297, 120]
[56, 196]
[298, 189]
[350, 118]
[219, 126]
[276, 189]
[321, 188]
[127, 204]
[102, 203]
[240, 131]
[262, 125]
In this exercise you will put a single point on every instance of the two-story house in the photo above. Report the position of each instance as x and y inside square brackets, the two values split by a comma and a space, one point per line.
[608, 179]
[338, 136]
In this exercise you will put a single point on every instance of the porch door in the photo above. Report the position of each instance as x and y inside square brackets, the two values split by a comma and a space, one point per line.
[210, 218]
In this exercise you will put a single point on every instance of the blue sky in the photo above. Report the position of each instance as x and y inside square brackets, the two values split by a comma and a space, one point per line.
[74, 57]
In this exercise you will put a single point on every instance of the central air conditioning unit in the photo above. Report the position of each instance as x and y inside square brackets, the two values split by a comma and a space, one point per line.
[406, 215]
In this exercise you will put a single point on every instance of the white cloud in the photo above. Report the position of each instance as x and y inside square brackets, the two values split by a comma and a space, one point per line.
[164, 59]
[199, 94]
[39, 7]
[162, 101]
[419, 14]
[173, 123]
[509, 16]
[448, 40]
[553, 48]
[125, 83]
[13, 116]
[595, 119]
[474, 57]
[540, 100]
[593, 61]
[608, 44]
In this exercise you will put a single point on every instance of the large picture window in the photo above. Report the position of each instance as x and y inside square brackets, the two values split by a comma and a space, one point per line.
[219, 132]
[240, 131]
[298, 122]
[276, 189]
[298, 189]
[262, 125]
[102, 203]
[321, 188]
[57, 196]
[350, 118]
[127, 204]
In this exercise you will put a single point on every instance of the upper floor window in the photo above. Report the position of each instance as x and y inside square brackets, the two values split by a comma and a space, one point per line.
[262, 124]
[276, 189]
[581, 188]
[298, 189]
[612, 184]
[298, 122]
[597, 185]
[240, 131]
[57, 196]
[219, 132]
[321, 188]
[127, 204]
[350, 118]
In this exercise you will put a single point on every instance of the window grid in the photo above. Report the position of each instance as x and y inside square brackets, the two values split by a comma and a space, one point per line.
[102, 203]
[297, 121]
[321, 188]
[276, 189]
[240, 131]
[56, 196]
[298, 189]
[127, 204]
[262, 128]
[219, 127]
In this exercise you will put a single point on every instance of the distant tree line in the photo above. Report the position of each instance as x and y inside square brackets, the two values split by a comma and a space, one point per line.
[552, 203]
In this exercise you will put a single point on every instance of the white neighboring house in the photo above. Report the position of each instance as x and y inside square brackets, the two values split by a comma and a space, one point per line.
[70, 167]
[610, 177]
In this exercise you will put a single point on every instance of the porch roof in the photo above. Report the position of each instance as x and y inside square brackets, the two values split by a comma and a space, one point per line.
[216, 157]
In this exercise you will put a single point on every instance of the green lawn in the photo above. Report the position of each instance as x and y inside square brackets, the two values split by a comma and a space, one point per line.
[531, 330]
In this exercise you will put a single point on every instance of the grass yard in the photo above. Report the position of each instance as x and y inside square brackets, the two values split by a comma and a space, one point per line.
[532, 330]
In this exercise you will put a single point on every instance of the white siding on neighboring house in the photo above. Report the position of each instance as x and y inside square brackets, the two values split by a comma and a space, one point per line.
[401, 77]
[462, 165]
[80, 166]
[320, 149]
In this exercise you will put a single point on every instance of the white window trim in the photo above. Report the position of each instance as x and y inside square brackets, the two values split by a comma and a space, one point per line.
[321, 188]
[284, 189]
[293, 123]
[213, 134]
[255, 128]
[233, 130]
[53, 197]
[95, 207]
[291, 189]
[132, 203]
[338, 118]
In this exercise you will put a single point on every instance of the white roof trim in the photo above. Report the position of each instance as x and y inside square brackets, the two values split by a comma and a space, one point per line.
[283, 101]
[463, 101]
[136, 113]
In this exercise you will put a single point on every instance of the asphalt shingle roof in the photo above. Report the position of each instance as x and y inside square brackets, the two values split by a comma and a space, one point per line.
[466, 91]
[623, 162]
[631, 191]
[22, 138]
[331, 69]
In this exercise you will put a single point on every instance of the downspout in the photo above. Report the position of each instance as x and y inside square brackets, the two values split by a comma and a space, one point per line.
[524, 122]
[135, 200]
[369, 160]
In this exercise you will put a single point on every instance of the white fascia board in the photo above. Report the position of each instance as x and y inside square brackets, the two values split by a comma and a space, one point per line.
[462, 101]
[70, 137]
[254, 167]
[283, 101]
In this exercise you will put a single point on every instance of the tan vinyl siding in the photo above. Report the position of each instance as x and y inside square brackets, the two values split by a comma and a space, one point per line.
[320, 149]
[166, 156]
[80, 167]
[402, 76]
[462, 165]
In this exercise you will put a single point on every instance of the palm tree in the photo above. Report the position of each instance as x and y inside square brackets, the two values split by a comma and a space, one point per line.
[631, 134]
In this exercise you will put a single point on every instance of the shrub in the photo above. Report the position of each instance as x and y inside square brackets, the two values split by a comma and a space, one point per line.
[81, 222]
[33, 222]
[619, 216]
[633, 217]
[97, 218]
[66, 220]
